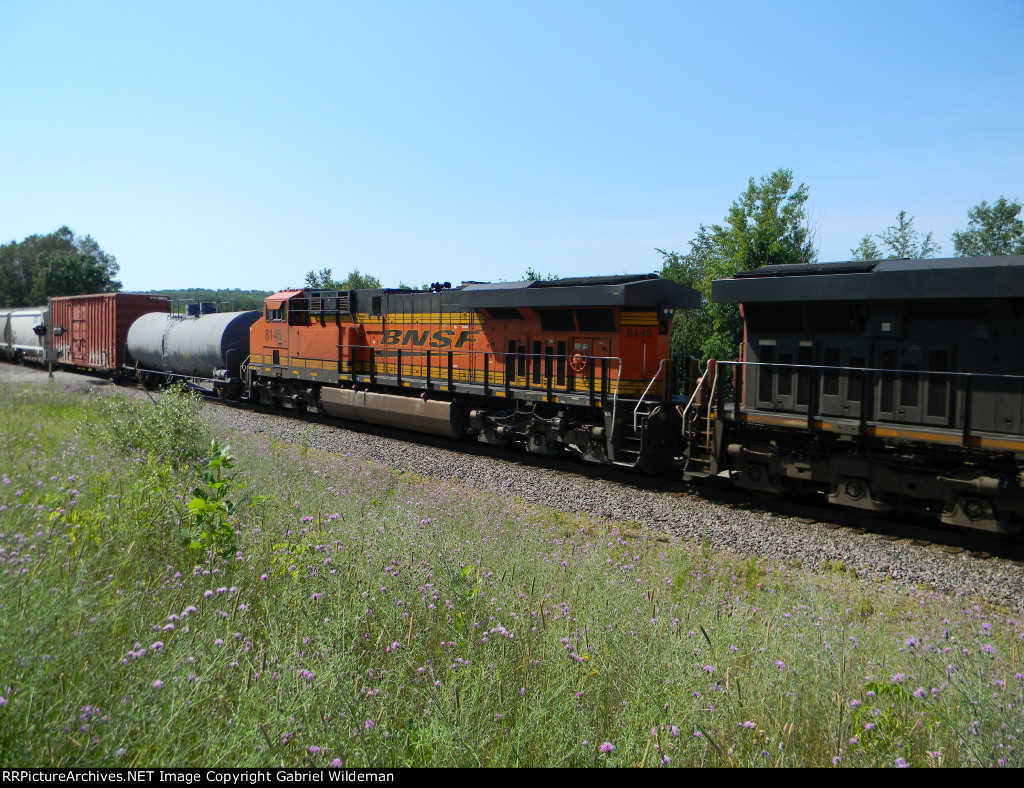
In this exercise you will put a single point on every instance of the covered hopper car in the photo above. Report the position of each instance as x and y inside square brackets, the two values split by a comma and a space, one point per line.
[25, 335]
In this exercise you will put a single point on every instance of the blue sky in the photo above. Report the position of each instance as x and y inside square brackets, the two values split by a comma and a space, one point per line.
[242, 144]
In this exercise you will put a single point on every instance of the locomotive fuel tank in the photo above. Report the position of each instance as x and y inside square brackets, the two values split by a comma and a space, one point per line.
[207, 346]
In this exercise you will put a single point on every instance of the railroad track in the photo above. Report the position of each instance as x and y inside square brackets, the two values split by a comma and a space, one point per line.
[807, 511]
[918, 530]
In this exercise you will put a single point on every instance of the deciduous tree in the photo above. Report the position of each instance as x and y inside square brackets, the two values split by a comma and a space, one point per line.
[324, 280]
[766, 225]
[992, 229]
[57, 264]
[902, 240]
[867, 249]
[899, 240]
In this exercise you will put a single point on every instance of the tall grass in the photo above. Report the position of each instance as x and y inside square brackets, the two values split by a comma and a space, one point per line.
[364, 617]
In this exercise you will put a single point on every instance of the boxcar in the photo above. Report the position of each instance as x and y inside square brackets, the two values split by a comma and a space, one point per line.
[91, 331]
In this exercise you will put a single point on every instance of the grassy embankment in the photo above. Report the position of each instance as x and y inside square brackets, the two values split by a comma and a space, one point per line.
[308, 609]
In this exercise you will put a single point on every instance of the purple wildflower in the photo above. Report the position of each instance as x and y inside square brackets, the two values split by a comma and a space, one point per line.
[606, 746]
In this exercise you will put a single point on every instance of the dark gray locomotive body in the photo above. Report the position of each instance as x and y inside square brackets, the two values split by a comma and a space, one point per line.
[895, 384]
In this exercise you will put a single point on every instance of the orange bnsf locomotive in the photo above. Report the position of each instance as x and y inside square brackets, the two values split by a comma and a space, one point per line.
[581, 364]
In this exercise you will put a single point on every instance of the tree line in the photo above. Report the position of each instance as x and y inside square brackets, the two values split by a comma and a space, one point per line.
[57, 264]
[766, 225]
[227, 300]
[324, 280]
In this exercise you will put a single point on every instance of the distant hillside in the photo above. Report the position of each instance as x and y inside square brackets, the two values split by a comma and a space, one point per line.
[231, 300]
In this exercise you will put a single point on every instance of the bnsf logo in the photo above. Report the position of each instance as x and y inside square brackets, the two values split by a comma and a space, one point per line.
[443, 338]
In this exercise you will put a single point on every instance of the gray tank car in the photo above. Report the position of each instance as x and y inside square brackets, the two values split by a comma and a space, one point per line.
[209, 347]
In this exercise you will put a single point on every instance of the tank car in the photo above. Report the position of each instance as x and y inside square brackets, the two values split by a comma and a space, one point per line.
[580, 364]
[893, 384]
[201, 344]
[27, 334]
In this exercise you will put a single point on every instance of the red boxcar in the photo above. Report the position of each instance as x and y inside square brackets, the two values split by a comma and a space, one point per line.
[91, 330]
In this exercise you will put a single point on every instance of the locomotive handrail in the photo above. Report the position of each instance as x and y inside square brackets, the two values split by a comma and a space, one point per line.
[870, 411]
[711, 399]
[545, 379]
[952, 373]
[696, 389]
[640, 401]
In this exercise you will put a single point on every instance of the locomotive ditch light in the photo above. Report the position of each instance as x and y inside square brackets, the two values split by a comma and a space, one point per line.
[665, 312]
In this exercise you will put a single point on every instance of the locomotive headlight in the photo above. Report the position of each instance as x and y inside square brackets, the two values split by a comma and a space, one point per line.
[665, 312]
